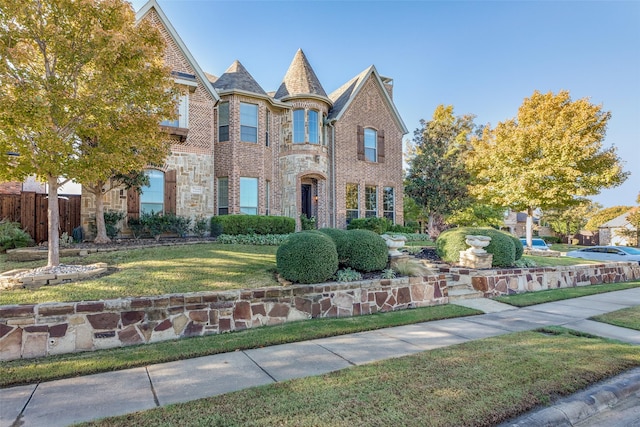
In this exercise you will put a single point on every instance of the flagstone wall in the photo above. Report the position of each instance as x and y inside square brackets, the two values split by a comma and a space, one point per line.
[36, 330]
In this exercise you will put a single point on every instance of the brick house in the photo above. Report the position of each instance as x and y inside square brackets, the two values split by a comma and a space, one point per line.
[237, 149]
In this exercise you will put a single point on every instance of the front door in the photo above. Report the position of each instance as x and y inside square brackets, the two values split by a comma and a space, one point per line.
[306, 206]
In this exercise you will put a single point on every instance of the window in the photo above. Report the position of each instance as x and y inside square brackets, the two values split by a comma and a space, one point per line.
[152, 196]
[313, 126]
[248, 122]
[267, 196]
[305, 127]
[370, 145]
[298, 126]
[223, 122]
[223, 196]
[249, 196]
[183, 113]
[370, 201]
[388, 204]
[352, 202]
[267, 125]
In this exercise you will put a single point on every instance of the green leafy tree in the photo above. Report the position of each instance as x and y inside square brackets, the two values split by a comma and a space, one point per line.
[634, 219]
[478, 215]
[550, 156]
[604, 215]
[79, 80]
[437, 179]
[571, 220]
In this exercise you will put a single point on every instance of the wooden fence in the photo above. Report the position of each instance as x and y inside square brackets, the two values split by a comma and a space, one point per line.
[30, 210]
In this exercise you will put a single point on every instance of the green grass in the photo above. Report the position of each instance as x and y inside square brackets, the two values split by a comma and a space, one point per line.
[540, 297]
[25, 371]
[626, 318]
[563, 247]
[158, 271]
[550, 261]
[477, 383]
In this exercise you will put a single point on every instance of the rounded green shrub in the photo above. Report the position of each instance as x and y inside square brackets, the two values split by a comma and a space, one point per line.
[518, 244]
[341, 241]
[502, 246]
[366, 251]
[307, 257]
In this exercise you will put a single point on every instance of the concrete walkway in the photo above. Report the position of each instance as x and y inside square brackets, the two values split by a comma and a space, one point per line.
[68, 401]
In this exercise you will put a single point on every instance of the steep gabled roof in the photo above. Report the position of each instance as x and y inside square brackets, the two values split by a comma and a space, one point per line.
[300, 80]
[344, 95]
[619, 221]
[153, 4]
[237, 78]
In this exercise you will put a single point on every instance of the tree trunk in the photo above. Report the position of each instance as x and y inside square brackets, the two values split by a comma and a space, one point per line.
[101, 228]
[529, 228]
[53, 223]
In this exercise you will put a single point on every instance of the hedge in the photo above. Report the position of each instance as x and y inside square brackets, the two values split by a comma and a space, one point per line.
[365, 251]
[502, 246]
[251, 224]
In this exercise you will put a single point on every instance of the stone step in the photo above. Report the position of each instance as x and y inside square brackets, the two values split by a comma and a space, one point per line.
[458, 294]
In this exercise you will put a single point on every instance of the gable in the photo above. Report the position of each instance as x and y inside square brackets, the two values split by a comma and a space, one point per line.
[177, 56]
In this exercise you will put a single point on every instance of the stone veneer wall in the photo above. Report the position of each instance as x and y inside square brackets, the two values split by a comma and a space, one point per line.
[518, 280]
[36, 330]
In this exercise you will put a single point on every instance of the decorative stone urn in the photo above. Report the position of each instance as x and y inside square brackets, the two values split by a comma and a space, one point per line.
[394, 242]
[476, 256]
[477, 243]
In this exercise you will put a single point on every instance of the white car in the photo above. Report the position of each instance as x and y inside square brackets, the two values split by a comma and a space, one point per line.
[607, 253]
[537, 244]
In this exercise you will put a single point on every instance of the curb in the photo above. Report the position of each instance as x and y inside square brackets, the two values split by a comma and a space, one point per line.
[582, 405]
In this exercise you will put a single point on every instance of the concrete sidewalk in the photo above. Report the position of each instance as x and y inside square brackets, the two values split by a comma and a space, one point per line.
[116, 393]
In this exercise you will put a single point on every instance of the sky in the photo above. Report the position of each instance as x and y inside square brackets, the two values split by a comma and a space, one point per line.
[482, 57]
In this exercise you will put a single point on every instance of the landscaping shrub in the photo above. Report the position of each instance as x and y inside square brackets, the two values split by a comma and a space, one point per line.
[518, 244]
[366, 251]
[397, 228]
[307, 257]
[307, 223]
[200, 226]
[251, 224]
[347, 275]
[552, 239]
[375, 224]
[176, 224]
[502, 246]
[253, 239]
[12, 236]
[341, 241]
[111, 220]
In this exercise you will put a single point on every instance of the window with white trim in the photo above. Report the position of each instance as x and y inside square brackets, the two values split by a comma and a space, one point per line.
[152, 196]
[370, 201]
[182, 110]
[223, 121]
[370, 145]
[223, 195]
[352, 202]
[388, 204]
[248, 122]
[249, 196]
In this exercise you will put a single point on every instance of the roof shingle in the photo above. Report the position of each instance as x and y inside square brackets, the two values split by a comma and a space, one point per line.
[300, 79]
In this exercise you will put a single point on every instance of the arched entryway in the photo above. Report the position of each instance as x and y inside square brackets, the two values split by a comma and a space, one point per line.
[312, 199]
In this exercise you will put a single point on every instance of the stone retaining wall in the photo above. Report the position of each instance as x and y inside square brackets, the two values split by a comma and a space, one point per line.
[37, 330]
[518, 280]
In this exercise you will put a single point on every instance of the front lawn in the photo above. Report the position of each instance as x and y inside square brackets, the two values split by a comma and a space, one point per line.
[27, 371]
[626, 318]
[477, 383]
[540, 297]
[551, 261]
[158, 271]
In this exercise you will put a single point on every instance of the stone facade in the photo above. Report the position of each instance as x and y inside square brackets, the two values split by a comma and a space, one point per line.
[293, 178]
[37, 330]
